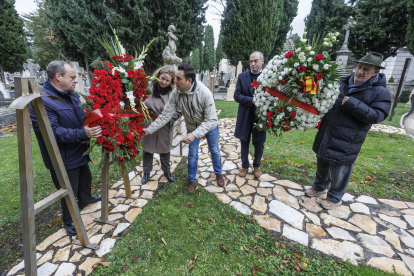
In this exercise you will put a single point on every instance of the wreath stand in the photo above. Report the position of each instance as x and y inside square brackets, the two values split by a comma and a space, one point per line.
[29, 91]
[105, 188]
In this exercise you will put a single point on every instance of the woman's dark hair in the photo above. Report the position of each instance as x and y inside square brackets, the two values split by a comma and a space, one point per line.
[189, 71]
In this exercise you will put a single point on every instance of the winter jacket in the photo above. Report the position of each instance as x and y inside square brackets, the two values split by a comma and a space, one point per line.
[161, 140]
[246, 113]
[344, 128]
[66, 119]
[196, 105]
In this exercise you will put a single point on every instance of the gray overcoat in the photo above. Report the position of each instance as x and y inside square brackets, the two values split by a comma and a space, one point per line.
[161, 140]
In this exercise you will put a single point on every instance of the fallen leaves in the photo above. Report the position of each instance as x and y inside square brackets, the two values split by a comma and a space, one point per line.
[190, 205]
[164, 241]
[223, 248]
[102, 263]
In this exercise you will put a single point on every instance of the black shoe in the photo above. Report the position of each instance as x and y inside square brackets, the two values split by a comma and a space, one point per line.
[70, 229]
[94, 199]
[145, 178]
[169, 176]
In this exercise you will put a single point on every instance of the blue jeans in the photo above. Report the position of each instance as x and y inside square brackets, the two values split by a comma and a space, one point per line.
[212, 141]
[335, 174]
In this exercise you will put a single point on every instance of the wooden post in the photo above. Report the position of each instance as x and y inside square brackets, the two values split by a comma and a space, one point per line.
[26, 190]
[400, 87]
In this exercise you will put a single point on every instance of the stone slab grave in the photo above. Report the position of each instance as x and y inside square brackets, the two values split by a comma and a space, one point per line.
[378, 232]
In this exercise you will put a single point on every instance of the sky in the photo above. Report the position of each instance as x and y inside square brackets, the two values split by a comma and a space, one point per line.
[304, 7]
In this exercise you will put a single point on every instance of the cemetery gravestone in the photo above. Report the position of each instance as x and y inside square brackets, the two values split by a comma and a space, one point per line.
[343, 54]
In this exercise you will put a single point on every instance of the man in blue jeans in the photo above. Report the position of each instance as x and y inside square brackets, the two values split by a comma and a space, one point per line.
[197, 106]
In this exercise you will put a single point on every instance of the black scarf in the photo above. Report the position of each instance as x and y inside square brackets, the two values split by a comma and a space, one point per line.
[158, 91]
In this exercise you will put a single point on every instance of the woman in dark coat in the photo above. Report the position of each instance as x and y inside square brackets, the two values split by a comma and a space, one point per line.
[161, 140]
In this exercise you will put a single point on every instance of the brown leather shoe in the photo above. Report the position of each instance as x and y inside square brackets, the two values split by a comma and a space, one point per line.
[257, 173]
[220, 180]
[243, 172]
[191, 187]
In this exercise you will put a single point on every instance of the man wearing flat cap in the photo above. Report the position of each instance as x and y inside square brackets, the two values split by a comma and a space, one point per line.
[364, 100]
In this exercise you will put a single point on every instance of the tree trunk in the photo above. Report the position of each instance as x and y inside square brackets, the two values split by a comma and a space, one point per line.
[2, 77]
[88, 75]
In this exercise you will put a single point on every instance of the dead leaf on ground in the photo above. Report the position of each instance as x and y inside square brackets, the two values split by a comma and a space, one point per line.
[164, 241]
[223, 248]
[211, 219]
[285, 261]
[195, 257]
[297, 268]
[190, 205]
[297, 255]
[191, 269]
[190, 262]
[136, 257]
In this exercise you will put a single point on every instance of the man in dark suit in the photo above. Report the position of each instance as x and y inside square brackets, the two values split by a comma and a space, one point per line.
[246, 116]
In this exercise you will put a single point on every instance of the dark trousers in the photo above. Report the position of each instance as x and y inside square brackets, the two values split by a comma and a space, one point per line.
[334, 174]
[258, 153]
[147, 161]
[80, 180]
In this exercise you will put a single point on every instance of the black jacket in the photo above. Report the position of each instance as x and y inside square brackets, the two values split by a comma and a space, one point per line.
[66, 119]
[246, 113]
[344, 128]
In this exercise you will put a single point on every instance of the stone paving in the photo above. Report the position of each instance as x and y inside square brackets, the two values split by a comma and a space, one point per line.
[378, 232]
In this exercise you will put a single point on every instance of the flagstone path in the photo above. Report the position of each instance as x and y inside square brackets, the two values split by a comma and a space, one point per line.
[378, 232]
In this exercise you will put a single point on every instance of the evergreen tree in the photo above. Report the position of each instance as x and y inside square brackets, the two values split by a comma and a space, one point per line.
[209, 57]
[45, 50]
[219, 50]
[382, 25]
[255, 25]
[410, 29]
[13, 49]
[78, 24]
[195, 59]
[328, 16]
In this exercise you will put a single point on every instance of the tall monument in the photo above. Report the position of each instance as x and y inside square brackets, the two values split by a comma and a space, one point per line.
[343, 53]
[289, 44]
[169, 56]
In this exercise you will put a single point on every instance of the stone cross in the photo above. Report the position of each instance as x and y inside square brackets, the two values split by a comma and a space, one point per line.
[32, 68]
[347, 27]
[79, 75]
[222, 76]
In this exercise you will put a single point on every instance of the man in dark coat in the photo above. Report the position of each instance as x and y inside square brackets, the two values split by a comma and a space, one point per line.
[66, 119]
[246, 116]
[364, 100]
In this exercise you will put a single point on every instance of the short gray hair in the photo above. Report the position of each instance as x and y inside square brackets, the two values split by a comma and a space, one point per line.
[56, 66]
[257, 52]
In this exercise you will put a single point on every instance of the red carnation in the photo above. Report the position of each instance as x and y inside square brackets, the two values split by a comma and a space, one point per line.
[319, 76]
[269, 115]
[299, 82]
[301, 69]
[121, 160]
[283, 82]
[289, 55]
[293, 115]
[286, 123]
[268, 125]
[280, 109]
[286, 129]
[319, 57]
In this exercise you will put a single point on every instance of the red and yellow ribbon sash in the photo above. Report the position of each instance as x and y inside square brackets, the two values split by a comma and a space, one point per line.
[291, 100]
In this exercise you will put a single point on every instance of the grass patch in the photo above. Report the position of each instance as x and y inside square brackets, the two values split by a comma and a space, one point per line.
[401, 110]
[202, 230]
[382, 168]
[228, 109]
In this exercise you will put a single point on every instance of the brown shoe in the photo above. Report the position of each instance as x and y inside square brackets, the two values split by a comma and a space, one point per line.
[329, 205]
[312, 192]
[257, 173]
[220, 180]
[243, 172]
[191, 187]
